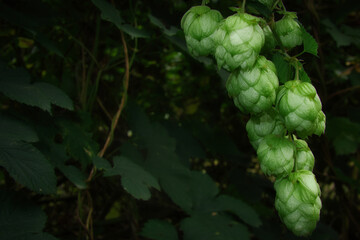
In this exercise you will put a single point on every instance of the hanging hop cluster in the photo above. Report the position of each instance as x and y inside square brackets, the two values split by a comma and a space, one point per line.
[281, 117]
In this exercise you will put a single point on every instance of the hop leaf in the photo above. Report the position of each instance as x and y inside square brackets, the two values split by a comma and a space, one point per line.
[289, 31]
[276, 155]
[300, 106]
[298, 201]
[262, 125]
[199, 24]
[239, 40]
[254, 90]
[304, 157]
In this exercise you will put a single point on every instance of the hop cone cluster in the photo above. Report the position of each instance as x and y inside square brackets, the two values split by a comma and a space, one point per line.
[280, 117]
[199, 24]
[254, 90]
[298, 201]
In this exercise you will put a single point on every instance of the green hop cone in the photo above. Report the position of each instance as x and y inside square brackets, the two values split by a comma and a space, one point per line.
[304, 157]
[300, 106]
[298, 202]
[239, 40]
[320, 124]
[199, 24]
[254, 90]
[276, 155]
[289, 31]
[270, 41]
[266, 123]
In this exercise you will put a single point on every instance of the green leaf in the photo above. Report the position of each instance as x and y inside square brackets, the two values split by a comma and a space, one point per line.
[28, 166]
[240, 208]
[283, 68]
[303, 75]
[157, 22]
[101, 163]
[135, 179]
[159, 230]
[340, 38]
[15, 130]
[21, 220]
[310, 44]
[111, 14]
[15, 84]
[213, 227]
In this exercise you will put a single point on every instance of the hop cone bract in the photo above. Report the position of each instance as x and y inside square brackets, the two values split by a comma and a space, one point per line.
[298, 201]
[300, 106]
[304, 157]
[239, 40]
[254, 90]
[289, 31]
[262, 125]
[276, 155]
[199, 23]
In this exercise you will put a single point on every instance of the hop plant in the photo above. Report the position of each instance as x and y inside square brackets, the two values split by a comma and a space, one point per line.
[239, 40]
[199, 24]
[320, 123]
[289, 31]
[266, 123]
[298, 201]
[304, 157]
[300, 106]
[276, 155]
[254, 90]
[270, 41]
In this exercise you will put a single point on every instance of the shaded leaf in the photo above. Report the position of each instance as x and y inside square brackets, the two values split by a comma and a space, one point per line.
[157, 22]
[159, 230]
[135, 179]
[310, 44]
[340, 38]
[101, 163]
[28, 166]
[213, 227]
[15, 84]
[21, 220]
[303, 75]
[14, 130]
[111, 14]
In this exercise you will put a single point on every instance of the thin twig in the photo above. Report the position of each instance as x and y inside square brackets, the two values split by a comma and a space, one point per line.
[349, 89]
[103, 108]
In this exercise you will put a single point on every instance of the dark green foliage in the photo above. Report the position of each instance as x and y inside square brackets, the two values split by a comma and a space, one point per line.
[179, 165]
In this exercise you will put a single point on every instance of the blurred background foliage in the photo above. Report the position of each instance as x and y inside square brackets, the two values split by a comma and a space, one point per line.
[178, 164]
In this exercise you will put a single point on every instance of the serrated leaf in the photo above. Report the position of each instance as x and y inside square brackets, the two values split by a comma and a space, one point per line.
[283, 68]
[310, 44]
[111, 14]
[159, 230]
[15, 130]
[213, 227]
[15, 84]
[135, 179]
[240, 208]
[21, 220]
[157, 22]
[303, 75]
[28, 166]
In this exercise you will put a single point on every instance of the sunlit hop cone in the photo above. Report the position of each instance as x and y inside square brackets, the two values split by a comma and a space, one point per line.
[320, 124]
[300, 106]
[289, 31]
[199, 23]
[304, 157]
[239, 40]
[262, 125]
[298, 202]
[276, 155]
[254, 90]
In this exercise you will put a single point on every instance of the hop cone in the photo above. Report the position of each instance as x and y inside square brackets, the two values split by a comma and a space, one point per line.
[239, 40]
[304, 157]
[199, 23]
[270, 41]
[298, 202]
[289, 31]
[300, 106]
[276, 155]
[320, 123]
[254, 90]
[262, 125]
